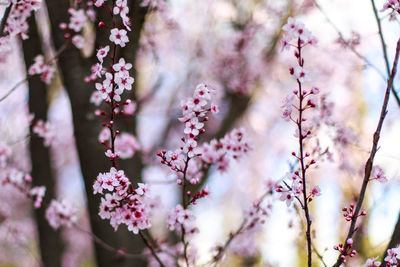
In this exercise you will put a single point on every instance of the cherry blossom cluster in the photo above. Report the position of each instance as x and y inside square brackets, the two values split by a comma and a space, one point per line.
[295, 189]
[292, 111]
[190, 160]
[78, 19]
[393, 257]
[46, 131]
[348, 212]
[123, 204]
[16, 24]
[394, 6]
[346, 250]
[181, 218]
[61, 213]
[295, 30]
[194, 114]
[372, 262]
[232, 145]
[23, 183]
[21, 11]
[40, 67]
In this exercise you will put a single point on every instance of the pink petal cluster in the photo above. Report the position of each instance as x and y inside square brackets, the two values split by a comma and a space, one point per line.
[23, 183]
[39, 67]
[60, 213]
[182, 218]
[123, 204]
[46, 131]
[21, 11]
[372, 262]
[393, 256]
[232, 146]
[394, 6]
[296, 30]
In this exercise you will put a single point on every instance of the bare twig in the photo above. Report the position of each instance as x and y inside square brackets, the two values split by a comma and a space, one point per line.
[153, 252]
[108, 247]
[233, 235]
[21, 82]
[384, 48]
[370, 161]
[352, 48]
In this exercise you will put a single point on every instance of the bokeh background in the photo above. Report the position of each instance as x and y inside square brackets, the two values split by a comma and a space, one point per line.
[184, 43]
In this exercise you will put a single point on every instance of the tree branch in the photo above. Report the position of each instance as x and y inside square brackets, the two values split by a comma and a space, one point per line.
[370, 161]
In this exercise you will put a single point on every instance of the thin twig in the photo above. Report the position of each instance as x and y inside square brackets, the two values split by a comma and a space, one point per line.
[153, 252]
[319, 255]
[18, 84]
[233, 235]
[352, 48]
[301, 160]
[106, 246]
[370, 161]
[384, 48]
[185, 206]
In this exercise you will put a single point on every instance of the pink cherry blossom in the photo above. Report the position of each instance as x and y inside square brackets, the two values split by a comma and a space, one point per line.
[119, 37]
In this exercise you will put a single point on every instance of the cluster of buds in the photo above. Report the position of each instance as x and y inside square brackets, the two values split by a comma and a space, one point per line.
[349, 214]
[203, 193]
[346, 250]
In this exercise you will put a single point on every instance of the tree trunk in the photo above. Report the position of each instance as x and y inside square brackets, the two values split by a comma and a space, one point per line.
[49, 240]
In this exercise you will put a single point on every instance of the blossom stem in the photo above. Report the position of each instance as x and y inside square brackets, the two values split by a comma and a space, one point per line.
[302, 165]
[185, 205]
[370, 161]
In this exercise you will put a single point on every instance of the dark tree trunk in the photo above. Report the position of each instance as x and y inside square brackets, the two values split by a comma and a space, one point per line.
[86, 129]
[49, 239]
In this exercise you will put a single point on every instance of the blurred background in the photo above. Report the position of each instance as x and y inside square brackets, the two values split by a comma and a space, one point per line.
[234, 47]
